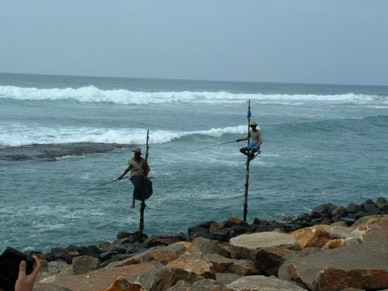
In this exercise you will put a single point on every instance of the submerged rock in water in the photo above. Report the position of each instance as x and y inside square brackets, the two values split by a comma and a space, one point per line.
[50, 152]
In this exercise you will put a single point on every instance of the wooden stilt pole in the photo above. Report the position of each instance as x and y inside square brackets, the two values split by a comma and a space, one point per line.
[143, 205]
[247, 168]
[141, 223]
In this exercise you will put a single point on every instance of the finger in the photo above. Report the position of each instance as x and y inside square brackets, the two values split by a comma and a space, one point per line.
[36, 267]
[22, 269]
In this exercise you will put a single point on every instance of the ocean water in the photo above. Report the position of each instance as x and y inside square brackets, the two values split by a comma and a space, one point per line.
[61, 136]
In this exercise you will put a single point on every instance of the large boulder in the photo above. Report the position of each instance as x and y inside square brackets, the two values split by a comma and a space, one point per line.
[246, 246]
[162, 278]
[85, 264]
[315, 236]
[263, 283]
[226, 265]
[163, 255]
[208, 246]
[362, 266]
[95, 280]
[194, 261]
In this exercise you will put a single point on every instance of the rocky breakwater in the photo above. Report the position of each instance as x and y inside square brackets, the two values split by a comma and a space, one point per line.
[234, 255]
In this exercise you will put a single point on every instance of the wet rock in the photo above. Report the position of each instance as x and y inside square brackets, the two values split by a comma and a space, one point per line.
[353, 208]
[269, 225]
[348, 219]
[130, 237]
[91, 251]
[58, 253]
[216, 226]
[166, 239]
[339, 210]
[198, 231]
[234, 221]
[320, 211]
[224, 234]
[384, 208]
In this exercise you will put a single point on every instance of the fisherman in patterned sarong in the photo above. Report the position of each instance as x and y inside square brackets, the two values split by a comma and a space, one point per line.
[139, 177]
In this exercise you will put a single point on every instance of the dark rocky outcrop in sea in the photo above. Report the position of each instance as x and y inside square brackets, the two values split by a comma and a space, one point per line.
[330, 248]
[50, 152]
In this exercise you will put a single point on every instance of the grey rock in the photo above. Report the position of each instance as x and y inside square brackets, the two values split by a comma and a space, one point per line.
[262, 283]
[246, 246]
[208, 246]
[360, 266]
[85, 264]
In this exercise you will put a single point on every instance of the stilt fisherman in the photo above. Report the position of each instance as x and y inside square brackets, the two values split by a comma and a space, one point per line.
[254, 145]
[139, 177]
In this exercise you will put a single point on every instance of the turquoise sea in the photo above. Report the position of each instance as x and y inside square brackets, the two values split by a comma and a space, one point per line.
[63, 135]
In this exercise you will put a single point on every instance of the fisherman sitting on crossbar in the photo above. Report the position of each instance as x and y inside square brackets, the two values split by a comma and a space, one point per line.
[254, 145]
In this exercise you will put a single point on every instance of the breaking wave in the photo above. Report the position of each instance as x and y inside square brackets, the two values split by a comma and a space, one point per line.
[33, 136]
[92, 94]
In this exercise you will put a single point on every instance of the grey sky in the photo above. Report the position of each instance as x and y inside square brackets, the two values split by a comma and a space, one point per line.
[325, 41]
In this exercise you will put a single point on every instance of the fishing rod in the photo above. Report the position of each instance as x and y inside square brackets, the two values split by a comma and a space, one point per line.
[98, 186]
[213, 145]
[106, 183]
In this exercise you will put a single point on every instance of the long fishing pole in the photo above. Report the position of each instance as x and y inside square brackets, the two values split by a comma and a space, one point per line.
[103, 184]
[213, 145]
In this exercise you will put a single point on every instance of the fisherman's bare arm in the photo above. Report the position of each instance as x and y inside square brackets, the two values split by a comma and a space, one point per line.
[244, 138]
[125, 172]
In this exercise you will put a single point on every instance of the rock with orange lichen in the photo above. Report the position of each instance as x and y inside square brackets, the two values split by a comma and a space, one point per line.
[311, 237]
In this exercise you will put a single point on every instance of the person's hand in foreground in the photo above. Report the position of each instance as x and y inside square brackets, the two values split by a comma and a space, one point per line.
[26, 282]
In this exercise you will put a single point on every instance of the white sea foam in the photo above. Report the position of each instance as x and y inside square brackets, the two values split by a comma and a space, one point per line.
[93, 94]
[27, 135]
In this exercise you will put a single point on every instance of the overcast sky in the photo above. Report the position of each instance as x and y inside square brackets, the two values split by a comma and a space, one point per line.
[325, 41]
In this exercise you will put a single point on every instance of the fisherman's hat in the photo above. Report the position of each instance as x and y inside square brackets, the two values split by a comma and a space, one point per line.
[137, 150]
[252, 123]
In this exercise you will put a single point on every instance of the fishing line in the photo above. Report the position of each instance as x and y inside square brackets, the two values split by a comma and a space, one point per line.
[213, 145]
[103, 184]
[106, 183]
